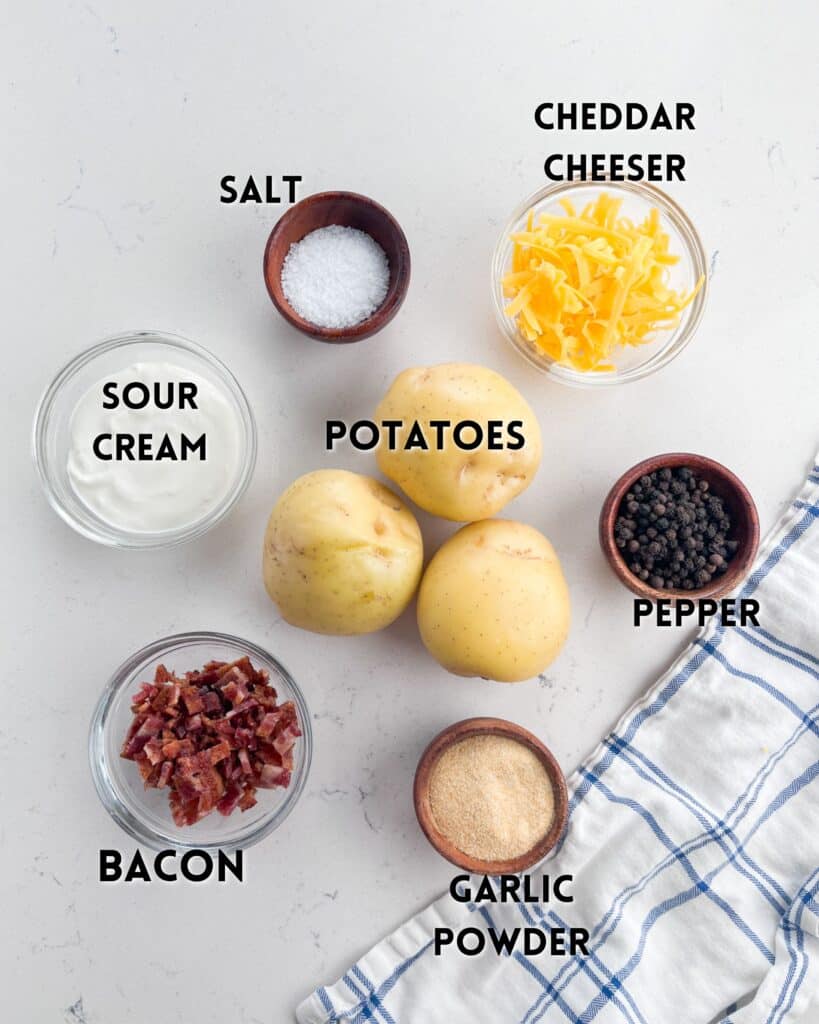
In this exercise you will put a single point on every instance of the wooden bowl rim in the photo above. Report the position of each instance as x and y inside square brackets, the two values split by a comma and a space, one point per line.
[462, 730]
[399, 282]
[739, 565]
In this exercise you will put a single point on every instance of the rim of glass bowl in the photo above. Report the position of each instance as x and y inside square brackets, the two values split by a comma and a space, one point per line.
[104, 533]
[124, 676]
[676, 340]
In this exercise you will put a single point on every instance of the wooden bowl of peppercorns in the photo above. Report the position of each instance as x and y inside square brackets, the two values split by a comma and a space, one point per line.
[679, 526]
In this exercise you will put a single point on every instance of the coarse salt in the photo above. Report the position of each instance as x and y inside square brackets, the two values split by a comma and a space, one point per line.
[335, 276]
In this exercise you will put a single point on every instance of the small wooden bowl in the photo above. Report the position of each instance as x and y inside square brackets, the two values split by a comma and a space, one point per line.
[347, 209]
[722, 482]
[498, 727]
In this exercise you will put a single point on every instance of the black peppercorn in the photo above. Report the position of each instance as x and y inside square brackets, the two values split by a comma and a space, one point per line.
[675, 530]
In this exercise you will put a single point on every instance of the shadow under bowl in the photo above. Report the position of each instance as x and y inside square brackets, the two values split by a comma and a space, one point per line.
[347, 209]
[481, 727]
[724, 484]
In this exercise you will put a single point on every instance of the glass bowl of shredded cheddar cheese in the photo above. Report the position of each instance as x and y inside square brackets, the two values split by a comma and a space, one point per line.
[599, 283]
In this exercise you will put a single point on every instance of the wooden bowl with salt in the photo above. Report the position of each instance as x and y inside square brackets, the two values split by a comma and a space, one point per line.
[348, 210]
[443, 843]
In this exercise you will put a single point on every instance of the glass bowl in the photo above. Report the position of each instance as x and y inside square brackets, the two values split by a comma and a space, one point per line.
[52, 435]
[638, 198]
[145, 814]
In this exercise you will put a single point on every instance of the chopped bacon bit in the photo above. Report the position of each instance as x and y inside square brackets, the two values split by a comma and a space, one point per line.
[144, 694]
[147, 726]
[286, 737]
[230, 801]
[245, 738]
[268, 724]
[193, 702]
[146, 770]
[211, 701]
[271, 776]
[248, 800]
[236, 692]
[173, 748]
[219, 752]
[164, 774]
[212, 737]
[153, 750]
[223, 727]
[246, 705]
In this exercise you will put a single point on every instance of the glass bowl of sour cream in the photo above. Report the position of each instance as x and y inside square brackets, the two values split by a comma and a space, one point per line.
[145, 440]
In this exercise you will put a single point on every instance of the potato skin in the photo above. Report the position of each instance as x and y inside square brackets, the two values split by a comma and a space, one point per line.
[493, 602]
[342, 554]
[463, 486]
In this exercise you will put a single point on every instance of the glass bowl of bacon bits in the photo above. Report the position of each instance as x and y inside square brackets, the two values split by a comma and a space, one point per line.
[200, 741]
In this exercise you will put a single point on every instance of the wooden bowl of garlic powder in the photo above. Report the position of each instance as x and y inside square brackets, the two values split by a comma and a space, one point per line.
[490, 797]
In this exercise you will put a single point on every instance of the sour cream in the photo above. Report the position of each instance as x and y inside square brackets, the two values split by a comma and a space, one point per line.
[154, 447]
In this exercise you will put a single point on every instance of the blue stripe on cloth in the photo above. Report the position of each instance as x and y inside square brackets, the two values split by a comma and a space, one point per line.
[656, 774]
[779, 1009]
[321, 992]
[663, 697]
[688, 867]
[368, 985]
[793, 925]
[386, 986]
[784, 795]
[715, 828]
[787, 647]
[548, 987]
[582, 966]
[775, 556]
[763, 684]
[484, 912]
[529, 919]
[634, 1011]
[769, 649]
[359, 993]
[594, 1007]
[602, 998]
[531, 968]
[738, 811]
[700, 887]
[810, 902]
[363, 1011]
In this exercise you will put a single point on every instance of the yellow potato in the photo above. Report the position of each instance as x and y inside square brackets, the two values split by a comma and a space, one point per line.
[494, 603]
[342, 553]
[456, 484]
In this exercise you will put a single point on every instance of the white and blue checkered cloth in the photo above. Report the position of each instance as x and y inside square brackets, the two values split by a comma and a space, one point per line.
[693, 842]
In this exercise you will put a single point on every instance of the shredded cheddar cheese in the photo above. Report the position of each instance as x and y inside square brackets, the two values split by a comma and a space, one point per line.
[583, 285]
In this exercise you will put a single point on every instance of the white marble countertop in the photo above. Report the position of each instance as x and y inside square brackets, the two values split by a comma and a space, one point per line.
[120, 120]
